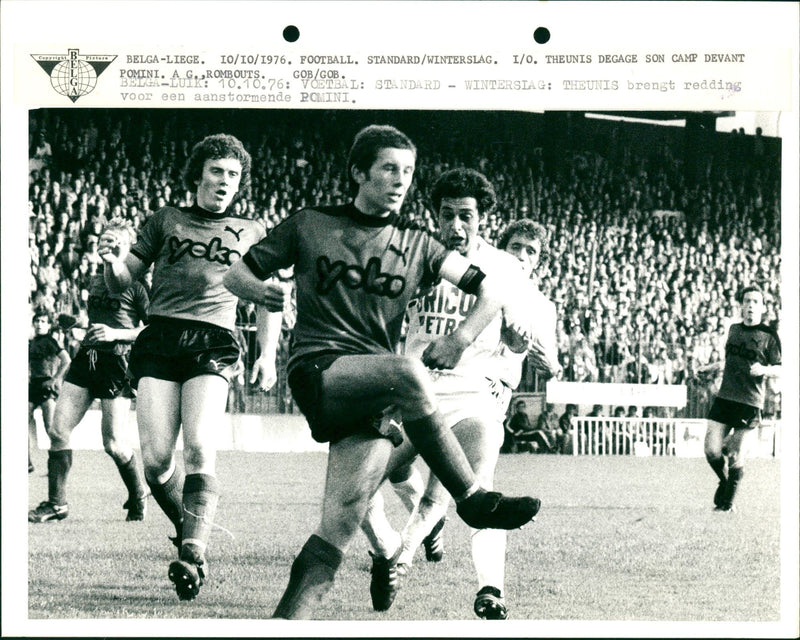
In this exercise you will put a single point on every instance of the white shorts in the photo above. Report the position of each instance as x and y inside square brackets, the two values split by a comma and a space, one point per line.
[462, 397]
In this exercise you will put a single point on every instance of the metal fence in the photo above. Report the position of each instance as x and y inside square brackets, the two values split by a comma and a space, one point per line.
[657, 437]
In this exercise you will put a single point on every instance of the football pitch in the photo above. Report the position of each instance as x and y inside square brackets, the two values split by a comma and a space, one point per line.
[617, 539]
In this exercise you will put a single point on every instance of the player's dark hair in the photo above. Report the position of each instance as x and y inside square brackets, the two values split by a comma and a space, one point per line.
[527, 229]
[215, 147]
[465, 183]
[751, 288]
[368, 143]
[42, 313]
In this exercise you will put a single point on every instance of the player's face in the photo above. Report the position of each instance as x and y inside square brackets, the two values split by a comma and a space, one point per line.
[41, 325]
[218, 183]
[459, 221]
[753, 308]
[526, 250]
[383, 188]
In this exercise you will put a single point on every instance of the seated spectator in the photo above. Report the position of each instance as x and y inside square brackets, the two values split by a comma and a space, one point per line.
[565, 443]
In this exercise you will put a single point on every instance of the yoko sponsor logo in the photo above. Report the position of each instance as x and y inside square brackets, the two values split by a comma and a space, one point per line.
[369, 278]
[214, 251]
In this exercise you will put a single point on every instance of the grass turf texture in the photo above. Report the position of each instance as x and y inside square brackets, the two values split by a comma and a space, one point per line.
[619, 538]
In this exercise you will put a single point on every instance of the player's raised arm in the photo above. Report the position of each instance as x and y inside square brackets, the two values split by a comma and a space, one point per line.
[122, 268]
[242, 282]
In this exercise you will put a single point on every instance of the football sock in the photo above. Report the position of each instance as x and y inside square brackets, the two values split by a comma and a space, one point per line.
[422, 520]
[410, 489]
[442, 452]
[735, 475]
[312, 575]
[132, 477]
[489, 557]
[169, 496]
[717, 463]
[58, 465]
[384, 539]
[200, 498]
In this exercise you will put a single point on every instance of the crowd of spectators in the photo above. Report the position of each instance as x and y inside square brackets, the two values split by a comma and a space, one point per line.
[645, 256]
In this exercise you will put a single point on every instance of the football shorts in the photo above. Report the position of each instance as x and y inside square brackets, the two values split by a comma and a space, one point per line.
[177, 350]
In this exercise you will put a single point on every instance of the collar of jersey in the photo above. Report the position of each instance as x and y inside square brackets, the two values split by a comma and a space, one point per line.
[205, 213]
[366, 220]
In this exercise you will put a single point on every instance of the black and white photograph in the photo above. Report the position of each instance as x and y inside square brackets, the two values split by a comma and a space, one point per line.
[392, 364]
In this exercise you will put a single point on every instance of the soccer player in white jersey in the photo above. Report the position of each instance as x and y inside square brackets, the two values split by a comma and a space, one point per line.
[475, 394]
[356, 267]
[182, 361]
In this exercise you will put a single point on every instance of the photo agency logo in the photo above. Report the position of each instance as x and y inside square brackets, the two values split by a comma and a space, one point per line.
[73, 74]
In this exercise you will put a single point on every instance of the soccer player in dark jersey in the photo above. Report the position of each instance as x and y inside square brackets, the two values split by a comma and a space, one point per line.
[99, 370]
[48, 361]
[356, 267]
[183, 359]
[752, 354]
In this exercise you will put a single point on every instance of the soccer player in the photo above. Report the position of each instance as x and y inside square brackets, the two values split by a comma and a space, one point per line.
[752, 354]
[99, 370]
[183, 359]
[356, 267]
[474, 395]
[48, 361]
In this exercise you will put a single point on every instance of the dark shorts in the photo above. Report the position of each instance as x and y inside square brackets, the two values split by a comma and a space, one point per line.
[735, 414]
[178, 350]
[37, 394]
[305, 381]
[103, 373]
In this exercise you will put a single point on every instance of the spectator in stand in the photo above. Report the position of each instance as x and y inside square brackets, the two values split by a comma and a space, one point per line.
[565, 441]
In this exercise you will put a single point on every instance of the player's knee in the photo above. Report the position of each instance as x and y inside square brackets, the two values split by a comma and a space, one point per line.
[413, 380]
[116, 450]
[196, 457]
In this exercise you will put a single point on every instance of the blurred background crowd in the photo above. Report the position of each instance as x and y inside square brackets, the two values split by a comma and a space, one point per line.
[653, 229]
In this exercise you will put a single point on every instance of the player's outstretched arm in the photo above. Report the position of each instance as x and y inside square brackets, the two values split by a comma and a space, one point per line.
[242, 282]
[492, 297]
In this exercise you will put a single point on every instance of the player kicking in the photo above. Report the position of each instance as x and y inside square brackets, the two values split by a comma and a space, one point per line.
[752, 354]
[183, 360]
[99, 370]
[356, 267]
[474, 395]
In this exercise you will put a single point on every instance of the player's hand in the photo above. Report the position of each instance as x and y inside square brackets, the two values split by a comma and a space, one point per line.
[264, 373]
[516, 330]
[101, 333]
[444, 352]
[757, 369]
[276, 295]
[112, 247]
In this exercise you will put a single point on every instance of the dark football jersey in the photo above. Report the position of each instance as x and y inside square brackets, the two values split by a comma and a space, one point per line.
[744, 347]
[192, 249]
[43, 358]
[355, 276]
[117, 310]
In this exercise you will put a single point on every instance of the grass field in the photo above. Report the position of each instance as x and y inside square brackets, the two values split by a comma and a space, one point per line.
[620, 538]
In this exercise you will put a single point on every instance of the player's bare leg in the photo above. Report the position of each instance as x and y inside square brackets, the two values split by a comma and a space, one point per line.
[356, 466]
[734, 448]
[715, 434]
[368, 384]
[65, 415]
[158, 407]
[202, 410]
[114, 423]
